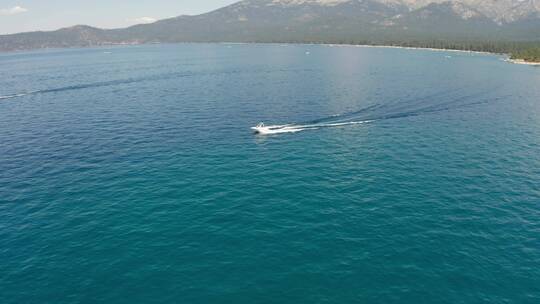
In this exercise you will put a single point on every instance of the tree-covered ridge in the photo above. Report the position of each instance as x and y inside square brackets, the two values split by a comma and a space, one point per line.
[527, 51]
[528, 54]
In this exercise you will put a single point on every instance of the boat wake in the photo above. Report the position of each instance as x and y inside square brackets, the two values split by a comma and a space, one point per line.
[13, 96]
[293, 128]
[99, 84]
[438, 102]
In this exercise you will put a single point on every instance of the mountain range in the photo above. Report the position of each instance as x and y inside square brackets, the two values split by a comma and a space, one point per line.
[330, 21]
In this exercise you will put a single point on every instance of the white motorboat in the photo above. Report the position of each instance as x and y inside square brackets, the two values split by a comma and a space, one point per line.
[262, 129]
[265, 130]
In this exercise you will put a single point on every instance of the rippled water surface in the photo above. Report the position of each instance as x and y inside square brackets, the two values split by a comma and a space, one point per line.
[130, 175]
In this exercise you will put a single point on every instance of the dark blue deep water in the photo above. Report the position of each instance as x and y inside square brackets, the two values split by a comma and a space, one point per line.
[130, 175]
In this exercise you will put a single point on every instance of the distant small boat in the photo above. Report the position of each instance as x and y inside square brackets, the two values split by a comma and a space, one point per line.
[275, 129]
[261, 129]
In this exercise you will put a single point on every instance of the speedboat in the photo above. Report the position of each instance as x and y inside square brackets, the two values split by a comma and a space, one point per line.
[261, 129]
[275, 129]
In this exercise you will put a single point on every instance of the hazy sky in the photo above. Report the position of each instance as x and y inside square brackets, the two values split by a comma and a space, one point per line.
[29, 15]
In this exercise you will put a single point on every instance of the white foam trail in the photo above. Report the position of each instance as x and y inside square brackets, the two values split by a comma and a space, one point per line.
[13, 96]
[291, 128]
[337, 124]
[278, 129]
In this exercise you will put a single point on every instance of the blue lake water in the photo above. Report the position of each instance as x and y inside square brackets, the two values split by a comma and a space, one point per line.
[130, 175]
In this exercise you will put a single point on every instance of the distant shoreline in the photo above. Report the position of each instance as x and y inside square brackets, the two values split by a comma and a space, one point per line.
[522, 61]
[410, 48]
[360, 45]
[514, 61]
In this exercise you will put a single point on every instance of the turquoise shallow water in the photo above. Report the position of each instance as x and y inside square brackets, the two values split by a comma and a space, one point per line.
[130, 175]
